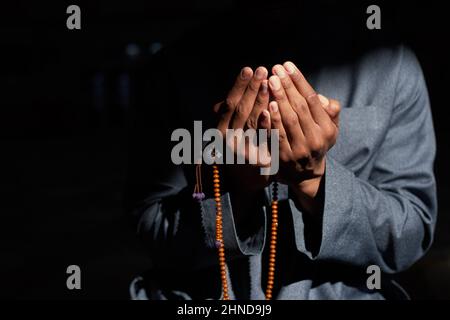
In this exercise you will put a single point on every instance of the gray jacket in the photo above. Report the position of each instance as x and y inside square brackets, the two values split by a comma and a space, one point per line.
[380, 202]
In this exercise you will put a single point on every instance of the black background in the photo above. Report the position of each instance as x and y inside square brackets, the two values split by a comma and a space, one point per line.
[67, 99]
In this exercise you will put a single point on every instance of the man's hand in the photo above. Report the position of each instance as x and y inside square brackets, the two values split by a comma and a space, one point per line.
[308, 127]
[246, 107]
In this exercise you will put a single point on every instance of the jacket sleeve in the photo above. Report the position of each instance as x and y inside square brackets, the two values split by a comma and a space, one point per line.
[389, 219]
[175, 229]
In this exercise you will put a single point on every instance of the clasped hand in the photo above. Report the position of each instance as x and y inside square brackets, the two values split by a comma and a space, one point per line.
[308, 125]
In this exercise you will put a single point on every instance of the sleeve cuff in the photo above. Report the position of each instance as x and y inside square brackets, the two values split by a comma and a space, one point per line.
[336, 219]
[244, 240]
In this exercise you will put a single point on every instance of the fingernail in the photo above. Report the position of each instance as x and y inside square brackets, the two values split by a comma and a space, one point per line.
[275, 83]
[260, 73]
[245, 74]
[273, 107]
[290, 67]
[279, 70]
[323, 100]
[264, 87]
[266, 116]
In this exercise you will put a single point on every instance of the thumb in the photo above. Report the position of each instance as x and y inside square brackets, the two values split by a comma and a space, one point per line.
[332, 107]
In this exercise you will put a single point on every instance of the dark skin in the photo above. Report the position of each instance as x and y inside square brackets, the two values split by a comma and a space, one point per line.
[308, 125]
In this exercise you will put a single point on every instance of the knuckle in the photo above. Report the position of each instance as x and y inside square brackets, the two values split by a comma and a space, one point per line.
[275, 119]
[253, 87]
[312, 97]
[239, 111]
[300, 153]
[279, 94]
[333, 138]
[296, 77]
[282, 137]
[300, 106]
[316, 143]
[260, 101]
[230, 103]
[287, 84]
[329, 131]
[292, 121]
[251, 123]
[285, 157]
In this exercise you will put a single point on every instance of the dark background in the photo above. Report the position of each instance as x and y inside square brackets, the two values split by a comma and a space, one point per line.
[66, 103]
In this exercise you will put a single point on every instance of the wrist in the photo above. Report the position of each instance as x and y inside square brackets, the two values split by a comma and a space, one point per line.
[309, 192]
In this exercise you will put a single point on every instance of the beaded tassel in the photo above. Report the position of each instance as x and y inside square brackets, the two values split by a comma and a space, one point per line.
[198, 194]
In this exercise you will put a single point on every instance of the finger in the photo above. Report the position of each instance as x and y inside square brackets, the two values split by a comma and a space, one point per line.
[324, 100]
[239, 87]
[259, 150]
[332, 107]
[289, 117]
[263, 146]
[297, 101]
[227, 108]
[245, 105]
[285, 151]
[334, 110]
[264, 120]
[261, 103]
[306, 90]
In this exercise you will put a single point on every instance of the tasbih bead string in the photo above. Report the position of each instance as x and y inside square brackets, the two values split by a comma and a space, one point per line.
[273, 242]
[219, 233]
[220, 243]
